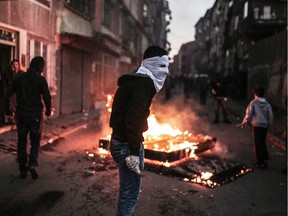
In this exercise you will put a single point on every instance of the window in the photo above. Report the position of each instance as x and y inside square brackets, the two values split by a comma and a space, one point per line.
[37, 47]
[245, 10]
[266, 12]
[45, 56]
[84, 8]
[108, 19]
[236, 22]
[127, 29]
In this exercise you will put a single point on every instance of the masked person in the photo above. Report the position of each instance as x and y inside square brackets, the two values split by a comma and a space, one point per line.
[30, 89]
[128, 120]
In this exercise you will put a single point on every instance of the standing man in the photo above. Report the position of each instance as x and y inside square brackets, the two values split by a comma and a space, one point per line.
[30, 89]
[6, 78]
[130, 110]
[14, 71]
[259, 114]
[220, 98]
[11, 74]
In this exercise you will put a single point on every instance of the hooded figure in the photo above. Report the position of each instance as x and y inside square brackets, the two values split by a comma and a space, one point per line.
[260, 115]
[130, 110]
[31, 89]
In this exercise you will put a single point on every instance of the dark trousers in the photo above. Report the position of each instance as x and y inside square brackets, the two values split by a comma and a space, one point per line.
[203, 94]
[260, 147]
[33, 127]
[220, 104]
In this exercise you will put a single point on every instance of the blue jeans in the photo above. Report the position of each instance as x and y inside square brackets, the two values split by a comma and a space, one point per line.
[130, 182]
[33, 126]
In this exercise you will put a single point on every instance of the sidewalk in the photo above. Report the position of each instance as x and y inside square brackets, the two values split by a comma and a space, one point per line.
[62, 126]
[53, 129]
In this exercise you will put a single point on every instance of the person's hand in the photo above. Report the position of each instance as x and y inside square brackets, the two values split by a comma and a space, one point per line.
[132, 162]
[47, 113]
[242, 125]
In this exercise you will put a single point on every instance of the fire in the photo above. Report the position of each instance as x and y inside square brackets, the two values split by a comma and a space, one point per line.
[156, 130]
[103, 151]
[170, 142]
[109, 102]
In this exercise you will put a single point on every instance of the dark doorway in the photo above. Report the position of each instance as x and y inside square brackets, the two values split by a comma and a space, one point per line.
[5, 57]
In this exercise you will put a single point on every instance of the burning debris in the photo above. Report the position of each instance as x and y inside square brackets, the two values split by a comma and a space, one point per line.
[210, 173]
[101, 161]
[172, 152]
[165, 145]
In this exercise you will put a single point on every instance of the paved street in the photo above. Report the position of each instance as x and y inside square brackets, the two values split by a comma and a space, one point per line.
[72, 182]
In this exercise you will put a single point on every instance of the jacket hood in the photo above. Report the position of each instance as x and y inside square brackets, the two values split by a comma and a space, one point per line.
[131, 76]
[36, 65]
[261, 102]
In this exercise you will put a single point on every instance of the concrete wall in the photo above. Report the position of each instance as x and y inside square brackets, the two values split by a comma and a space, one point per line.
[267, 67]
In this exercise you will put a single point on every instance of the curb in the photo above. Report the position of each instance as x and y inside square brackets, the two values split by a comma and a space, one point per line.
[279, 143]
[56, 137]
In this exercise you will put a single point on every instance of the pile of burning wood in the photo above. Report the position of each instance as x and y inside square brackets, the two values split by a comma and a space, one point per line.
[172, 152]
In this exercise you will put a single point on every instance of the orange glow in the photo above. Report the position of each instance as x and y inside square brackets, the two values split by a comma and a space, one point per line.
[109, 102]
[204, 179]
[165, 138]
[103, 151]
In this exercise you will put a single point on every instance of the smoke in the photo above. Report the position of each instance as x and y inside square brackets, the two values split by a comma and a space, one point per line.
[180, 115]
[189, 116]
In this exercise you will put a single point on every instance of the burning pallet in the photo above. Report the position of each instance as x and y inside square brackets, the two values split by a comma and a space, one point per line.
[178, 153]
[171, 150]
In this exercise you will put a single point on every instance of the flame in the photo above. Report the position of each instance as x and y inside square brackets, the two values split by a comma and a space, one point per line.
[204, 179]
[155, 129]
[103, 151]
[109, 102]
[165, 138]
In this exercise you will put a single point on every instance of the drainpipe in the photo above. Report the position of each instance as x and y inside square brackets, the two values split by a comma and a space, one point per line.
[61, 81]
[82, 80]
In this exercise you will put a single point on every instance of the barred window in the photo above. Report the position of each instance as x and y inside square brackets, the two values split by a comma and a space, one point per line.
[127, 29]
[37, 48]
[109, 17]
[84, 8]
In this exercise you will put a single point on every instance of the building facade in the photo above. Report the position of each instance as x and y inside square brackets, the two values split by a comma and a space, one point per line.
[248, 22]
[87, 44]
[228, 34]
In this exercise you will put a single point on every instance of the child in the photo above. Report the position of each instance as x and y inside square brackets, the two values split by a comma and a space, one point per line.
[259, 114]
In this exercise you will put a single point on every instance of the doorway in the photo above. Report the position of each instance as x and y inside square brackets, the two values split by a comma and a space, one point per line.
[5, 58]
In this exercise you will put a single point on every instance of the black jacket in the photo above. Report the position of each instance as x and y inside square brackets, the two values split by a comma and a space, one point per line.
[30, 88]
[131, 108]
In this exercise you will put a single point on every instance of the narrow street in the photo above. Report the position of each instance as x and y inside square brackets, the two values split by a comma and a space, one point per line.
[74, 183]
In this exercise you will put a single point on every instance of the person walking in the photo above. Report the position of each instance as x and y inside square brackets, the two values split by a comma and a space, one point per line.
[30, 89]
[259, 114]
[128, 120]
[220, 98]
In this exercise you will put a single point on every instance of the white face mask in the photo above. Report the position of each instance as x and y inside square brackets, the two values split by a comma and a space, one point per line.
[157, 69]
